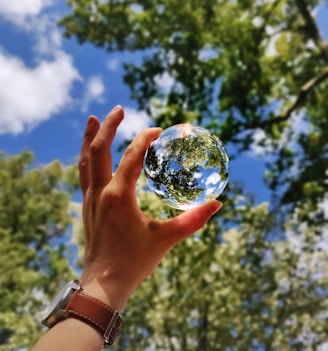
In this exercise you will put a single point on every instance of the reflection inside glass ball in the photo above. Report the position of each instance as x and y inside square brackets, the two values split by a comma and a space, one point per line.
[186, 166]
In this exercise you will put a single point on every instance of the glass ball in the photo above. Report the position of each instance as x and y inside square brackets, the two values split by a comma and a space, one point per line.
[186, 166]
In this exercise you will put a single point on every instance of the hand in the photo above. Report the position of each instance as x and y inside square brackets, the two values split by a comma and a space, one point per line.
[123, 244]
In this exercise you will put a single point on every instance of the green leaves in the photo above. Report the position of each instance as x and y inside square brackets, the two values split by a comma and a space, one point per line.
[232, 289]
[255, 277]
[34, 220]
[235, 67]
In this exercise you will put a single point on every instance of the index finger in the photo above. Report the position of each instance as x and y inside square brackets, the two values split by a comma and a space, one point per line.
[129, 169]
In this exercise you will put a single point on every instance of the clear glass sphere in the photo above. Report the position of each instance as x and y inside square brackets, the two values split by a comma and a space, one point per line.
[186, 166]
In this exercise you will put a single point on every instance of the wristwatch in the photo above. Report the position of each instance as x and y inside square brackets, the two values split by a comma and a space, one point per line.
[72, 302]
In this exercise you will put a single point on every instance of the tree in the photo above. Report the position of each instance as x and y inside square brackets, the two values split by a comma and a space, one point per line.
[254, 73]
[34, 234]
[232, 289]
[246, 70]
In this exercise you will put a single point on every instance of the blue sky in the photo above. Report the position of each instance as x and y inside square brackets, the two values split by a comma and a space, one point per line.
[49, 86]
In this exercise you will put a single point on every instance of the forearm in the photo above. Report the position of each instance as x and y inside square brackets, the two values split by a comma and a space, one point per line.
[70, 334]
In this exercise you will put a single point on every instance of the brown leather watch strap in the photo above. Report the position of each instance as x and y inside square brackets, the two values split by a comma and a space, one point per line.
[96, 314]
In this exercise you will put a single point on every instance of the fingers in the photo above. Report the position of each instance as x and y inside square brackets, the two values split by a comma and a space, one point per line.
[101, 160]
[189, 222]
[90, 132]
[131, 163]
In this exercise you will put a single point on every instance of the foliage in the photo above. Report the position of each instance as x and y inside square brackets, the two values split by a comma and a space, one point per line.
[232, 289]
[34, 222]
[255, 73]
[251, 71]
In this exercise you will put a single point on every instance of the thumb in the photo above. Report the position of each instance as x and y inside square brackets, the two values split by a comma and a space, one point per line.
[190, 221]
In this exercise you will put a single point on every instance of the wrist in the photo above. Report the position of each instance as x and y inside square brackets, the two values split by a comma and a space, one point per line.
[72, 301]
[110, 292]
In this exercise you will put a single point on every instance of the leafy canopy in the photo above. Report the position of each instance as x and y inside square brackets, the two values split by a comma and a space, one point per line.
[34, 221]
[250, 71]
[255, 73]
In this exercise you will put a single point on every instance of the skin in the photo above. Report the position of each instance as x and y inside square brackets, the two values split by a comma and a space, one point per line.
[123, 244]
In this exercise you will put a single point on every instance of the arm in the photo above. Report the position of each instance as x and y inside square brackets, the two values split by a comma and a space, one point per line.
[123, 244]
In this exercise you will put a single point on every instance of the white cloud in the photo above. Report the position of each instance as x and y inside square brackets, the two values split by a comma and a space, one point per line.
[113, 64]
[12, 10]
[257, 21]
[164, 81]
[31, 95]
[94, 92]
[48, 39]
[134, 122]
[273, 36]
[259, 147]
[324, 205]
[42, 28]
[297, 125]
[207, 53]
[214, 178]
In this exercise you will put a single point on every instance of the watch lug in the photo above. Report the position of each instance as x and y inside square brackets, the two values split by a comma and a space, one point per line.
[61, 314]
[76, 285]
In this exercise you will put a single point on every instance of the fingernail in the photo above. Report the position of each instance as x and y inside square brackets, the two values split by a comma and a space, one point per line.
[216, 206]
[117, 107]
[90, 121]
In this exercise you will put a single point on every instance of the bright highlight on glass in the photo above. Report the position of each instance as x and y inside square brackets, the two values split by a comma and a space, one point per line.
[186, 166]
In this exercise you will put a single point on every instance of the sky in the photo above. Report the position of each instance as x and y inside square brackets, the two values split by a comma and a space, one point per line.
[51, 84]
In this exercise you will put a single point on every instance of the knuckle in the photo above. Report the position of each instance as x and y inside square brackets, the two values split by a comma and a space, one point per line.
[96, 147]
[130, 151]
[111, 199]
[83, 163]
[88, 134]
[154, 226]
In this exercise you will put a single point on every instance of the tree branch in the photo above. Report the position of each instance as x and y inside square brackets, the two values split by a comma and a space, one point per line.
[315, 35]
[312, 26]
[304, 91]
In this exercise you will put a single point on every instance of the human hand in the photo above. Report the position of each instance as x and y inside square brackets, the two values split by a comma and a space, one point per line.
[123, 244]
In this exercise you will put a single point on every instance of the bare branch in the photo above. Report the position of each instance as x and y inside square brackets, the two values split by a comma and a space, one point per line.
[304, 91]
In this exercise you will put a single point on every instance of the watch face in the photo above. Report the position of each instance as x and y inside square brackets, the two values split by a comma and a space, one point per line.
[50, 315]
